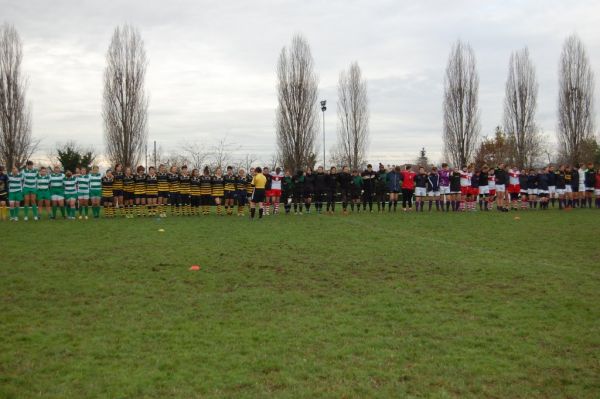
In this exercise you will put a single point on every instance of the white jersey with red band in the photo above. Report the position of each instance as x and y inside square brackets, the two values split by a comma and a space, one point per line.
[465, 179]
[276, 180]
[513, 177]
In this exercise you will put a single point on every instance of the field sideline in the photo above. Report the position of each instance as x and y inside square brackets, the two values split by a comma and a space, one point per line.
[369, 305]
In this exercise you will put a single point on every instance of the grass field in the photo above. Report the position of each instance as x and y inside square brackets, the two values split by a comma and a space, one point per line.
[402, 305]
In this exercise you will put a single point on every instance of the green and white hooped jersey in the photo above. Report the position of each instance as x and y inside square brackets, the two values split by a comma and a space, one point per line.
[57, 182]
[95, 181]
[70, 186]
[15, 183]
[83, 184]
[30, 178]
[43, 183]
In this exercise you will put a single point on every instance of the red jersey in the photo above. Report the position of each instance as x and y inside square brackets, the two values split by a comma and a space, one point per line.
[408, 179]
[597, 185]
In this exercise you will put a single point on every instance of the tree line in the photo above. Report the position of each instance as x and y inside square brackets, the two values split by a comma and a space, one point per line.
[517, 140]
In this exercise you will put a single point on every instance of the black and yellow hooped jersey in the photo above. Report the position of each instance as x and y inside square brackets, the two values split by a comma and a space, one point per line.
[184, 184]
[249, 186]
[163, 182]
[218, 186]
[173, 179]
[151, 185]
[195, 186]
[128, 184]
[108, 185]
[118, 180]
[240, 183]
[568, 178]
[205, 185]
[229, 181]
[140, 184]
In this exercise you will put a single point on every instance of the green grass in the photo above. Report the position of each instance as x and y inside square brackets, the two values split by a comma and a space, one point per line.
[400, 305]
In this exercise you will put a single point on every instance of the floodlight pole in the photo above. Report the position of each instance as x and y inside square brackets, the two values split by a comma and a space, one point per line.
[323, 108]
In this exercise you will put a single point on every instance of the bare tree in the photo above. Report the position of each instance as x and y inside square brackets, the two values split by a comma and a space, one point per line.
[353, 116]
[520, 103]
[125, 108]
[222, 152]
[297, 114]
[461, 110]
[195, 155]
[16, 143]
[575, 100]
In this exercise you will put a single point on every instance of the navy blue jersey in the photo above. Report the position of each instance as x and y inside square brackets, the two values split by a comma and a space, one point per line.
[433, 182]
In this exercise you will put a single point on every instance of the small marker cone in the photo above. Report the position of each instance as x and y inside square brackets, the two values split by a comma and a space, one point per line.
[195, 267]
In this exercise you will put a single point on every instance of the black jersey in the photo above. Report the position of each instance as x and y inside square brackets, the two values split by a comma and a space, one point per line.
[421, 180]
[173, 179]
[195, 186]
[184, 184]
[483, 179]
[332, 182]
[205, 185]
[344, 179]
[128, 184]
[320, 182]
[108, 186]
[455, 181]
[369, 180]
[309, 183]
[559, 177]
[163, 181]
[229, 182]
[151, 184]
[575, 179]
[501, 176]
[240, 183]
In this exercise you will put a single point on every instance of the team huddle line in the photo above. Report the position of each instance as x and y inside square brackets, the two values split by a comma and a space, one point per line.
[179, 192]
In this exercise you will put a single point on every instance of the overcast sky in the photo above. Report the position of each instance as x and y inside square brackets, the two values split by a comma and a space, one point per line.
[211, 66]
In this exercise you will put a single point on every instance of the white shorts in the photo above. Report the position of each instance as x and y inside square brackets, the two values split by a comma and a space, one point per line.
[581, 188]
[55, 197]
[420, 192]
[551, 189]
[444, 189]
[540, 192]
[560, 191]
[433, 193]
[501, 188]
[532, 191]
[568, 188]
[484, 190]
[597, 192]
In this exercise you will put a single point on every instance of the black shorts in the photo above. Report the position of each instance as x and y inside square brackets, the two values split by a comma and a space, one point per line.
[229, 195]
[184, 199]
[307, 194]
[127, 196]
[3, 196]
[150, 196]
[118, 193]
[140, 196]
[163, 194]
[242, 197]
[258, 195]
[195, 200]
[575, 189]
[107, 199]
[205, 199]
[355, 194]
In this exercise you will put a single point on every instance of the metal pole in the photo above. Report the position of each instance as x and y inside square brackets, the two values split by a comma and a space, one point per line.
[323, 138]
